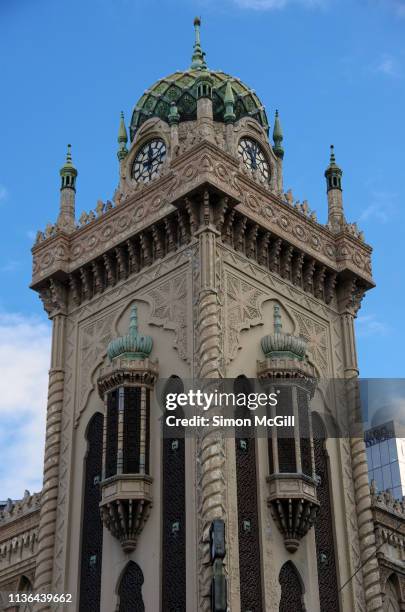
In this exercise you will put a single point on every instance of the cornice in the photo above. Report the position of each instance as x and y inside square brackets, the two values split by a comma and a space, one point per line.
[203, 165]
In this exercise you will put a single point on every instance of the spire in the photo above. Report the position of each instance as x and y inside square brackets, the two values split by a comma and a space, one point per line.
[122, 139]
[278, 137]
[333, 173]
[133, 321]
[198, 59]
[277, 320]
[229, 100]
[68, 172]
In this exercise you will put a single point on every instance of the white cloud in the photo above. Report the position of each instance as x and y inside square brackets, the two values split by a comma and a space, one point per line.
[267, 5]
[381, 206]
[388, 65]
[3, 193]
[24, 364]
[369, 325]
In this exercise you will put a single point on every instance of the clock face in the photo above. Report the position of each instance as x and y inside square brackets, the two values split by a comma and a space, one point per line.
[148, 160]
[253, 157]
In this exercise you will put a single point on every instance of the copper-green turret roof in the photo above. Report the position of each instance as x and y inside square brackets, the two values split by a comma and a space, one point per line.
[133, 345]
[280, 344]
[180, 87]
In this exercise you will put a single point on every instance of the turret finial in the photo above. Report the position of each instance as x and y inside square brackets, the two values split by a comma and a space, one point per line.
[122, 139]
[278, 137]
[332, 155]
[277, 320]
[133, 321]
[198, 59]
[69, 155]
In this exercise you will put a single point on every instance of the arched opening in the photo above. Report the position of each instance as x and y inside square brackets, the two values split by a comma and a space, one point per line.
[173, 506]
[292, 591]
[324, 532]
[24, 586]
[92, 529]
[130, 589]
[248, 514]
[392, 600]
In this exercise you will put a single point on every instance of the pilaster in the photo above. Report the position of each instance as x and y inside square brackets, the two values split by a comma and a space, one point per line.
[54, 303]
[349, 299]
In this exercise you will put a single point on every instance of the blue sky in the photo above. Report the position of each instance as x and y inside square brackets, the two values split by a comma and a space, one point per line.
[335, 69]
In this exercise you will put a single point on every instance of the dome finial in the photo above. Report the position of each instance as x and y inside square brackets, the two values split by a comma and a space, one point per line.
[133, 321]
[198, 59]
[277, 320]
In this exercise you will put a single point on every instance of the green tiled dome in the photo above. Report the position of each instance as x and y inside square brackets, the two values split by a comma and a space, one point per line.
[283, 345]
[133, 345]
[180, 88]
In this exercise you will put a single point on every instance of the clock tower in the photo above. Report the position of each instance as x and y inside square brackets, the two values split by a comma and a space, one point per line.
[201, 267]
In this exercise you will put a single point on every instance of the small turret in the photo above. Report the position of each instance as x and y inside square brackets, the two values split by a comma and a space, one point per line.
[122, 139]
[278, 137]
[133, 345]
[229, 100]
[333, 175]
[173, 117]
[68, 174]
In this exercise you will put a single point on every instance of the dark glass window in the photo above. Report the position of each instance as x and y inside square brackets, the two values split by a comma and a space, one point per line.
[132, 429]
[130, 590]
[112, 434]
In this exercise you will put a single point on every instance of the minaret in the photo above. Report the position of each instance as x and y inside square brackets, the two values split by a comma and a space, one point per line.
[122, 140]
[68, 173]
[333, 176]
[278, 137]
[278, 151]
[229, 115]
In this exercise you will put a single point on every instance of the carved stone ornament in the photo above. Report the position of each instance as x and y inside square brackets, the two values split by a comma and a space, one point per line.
[53, 296]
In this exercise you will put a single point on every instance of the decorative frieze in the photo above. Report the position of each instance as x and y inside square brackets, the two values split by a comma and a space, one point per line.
[205, 164]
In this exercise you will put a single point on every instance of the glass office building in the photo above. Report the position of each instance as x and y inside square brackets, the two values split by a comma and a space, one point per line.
[386, 458]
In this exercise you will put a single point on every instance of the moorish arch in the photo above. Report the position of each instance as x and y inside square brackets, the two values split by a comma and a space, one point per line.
[392, 601]
[130, 589]
[324, 531]
[248, 507]
[24, 586]
[92, 529]
[292, 589]
[173, 505]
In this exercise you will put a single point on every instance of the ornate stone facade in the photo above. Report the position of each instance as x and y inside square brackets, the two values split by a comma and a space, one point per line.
[206, 249]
